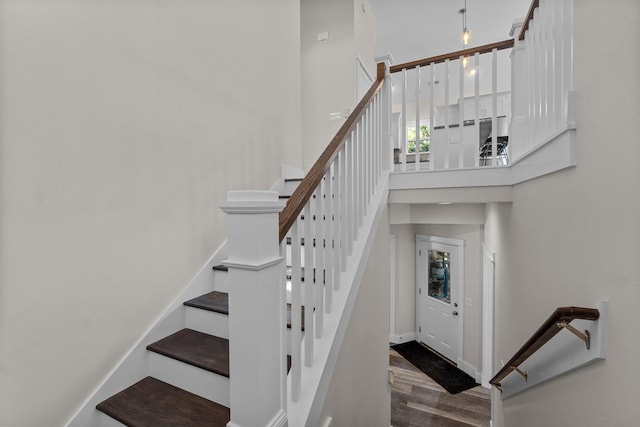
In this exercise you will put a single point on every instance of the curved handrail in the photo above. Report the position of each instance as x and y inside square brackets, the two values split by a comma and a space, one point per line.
[505, 44]
[525, 25]
[307, 186]
[551, 326]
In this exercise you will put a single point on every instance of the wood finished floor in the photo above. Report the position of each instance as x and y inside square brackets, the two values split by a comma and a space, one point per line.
[418, 401]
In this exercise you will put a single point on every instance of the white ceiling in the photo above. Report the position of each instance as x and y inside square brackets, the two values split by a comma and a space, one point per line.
[415, 29]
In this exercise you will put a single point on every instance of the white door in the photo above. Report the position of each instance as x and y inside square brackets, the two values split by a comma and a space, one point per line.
[439, 282]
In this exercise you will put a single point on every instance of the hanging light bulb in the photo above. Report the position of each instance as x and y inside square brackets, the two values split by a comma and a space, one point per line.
[466, 35]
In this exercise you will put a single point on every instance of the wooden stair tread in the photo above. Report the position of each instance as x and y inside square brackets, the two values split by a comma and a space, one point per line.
[154, 403]
[196, 348]
[213, 301]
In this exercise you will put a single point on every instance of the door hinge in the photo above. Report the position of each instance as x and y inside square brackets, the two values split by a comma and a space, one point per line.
[420, 291]
[419, 328]
[420, 252]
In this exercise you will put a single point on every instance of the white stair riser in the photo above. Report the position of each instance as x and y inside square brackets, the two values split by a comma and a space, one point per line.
[190, 378]
[289, 187]
[221, 281]
[206, 321]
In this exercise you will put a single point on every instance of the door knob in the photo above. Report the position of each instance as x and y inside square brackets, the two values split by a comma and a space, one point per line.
[455, 313]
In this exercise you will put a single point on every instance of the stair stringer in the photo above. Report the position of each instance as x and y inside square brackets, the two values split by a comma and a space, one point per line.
[316, 379]
[135, 363]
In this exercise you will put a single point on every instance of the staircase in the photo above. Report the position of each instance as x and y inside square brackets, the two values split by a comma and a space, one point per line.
[179, 373]
[189, 358]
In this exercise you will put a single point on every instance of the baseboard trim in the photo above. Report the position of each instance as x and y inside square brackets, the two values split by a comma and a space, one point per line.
[398, 339]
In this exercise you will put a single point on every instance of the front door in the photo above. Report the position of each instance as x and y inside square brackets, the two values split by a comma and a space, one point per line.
[439, 279]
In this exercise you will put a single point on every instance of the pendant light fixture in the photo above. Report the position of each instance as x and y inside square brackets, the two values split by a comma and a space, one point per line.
[466, 35]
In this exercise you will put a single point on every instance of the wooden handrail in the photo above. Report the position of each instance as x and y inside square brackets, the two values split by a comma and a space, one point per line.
[554, 324]
[525, 25]
[505, 44]
[307, 186]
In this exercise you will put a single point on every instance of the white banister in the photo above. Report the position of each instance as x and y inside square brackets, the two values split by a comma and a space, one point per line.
[257, 316]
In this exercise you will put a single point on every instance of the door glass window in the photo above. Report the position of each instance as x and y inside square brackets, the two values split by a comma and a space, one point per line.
[439, 278]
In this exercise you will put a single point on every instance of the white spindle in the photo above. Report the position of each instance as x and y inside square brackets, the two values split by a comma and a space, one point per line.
[351, 211]
[337, 221]
[296, 302]
[328, 242]
[476, 117]
[308, 284]
[461, 114]
[319, 271]
[344, 203]
[445, 145]
[557, 37]
[494, 107]
[417, 151]
[432, 88]
[403, 133]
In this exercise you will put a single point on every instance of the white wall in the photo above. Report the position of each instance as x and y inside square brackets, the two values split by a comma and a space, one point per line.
[406, 282]
[329, 72]
[574, 236]
[359, 395]
[123, 125]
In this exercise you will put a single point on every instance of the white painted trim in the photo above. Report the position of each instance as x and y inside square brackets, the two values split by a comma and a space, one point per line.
[279, 420]
[470, 370]
[459, 243]
[488, 286]
[252, 267]
[392, 284]
[398, 339]
[555, 154]
[361, 67]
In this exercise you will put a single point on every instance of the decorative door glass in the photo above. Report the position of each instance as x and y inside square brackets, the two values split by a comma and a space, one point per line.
[439, 278]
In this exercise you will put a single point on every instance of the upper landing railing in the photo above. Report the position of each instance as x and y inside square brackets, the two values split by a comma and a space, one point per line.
[490, 105]
[448, 106]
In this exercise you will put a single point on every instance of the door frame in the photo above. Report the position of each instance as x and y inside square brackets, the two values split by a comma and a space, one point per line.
[459, 243]
[488, 289]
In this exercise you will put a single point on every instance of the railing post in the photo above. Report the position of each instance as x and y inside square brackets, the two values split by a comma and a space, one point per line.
[385, 113]
[257, 311]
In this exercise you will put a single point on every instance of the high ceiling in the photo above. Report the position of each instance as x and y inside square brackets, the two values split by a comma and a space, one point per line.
[414, 29]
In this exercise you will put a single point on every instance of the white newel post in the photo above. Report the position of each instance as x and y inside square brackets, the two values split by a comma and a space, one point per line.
[386, 142]
[257, 311]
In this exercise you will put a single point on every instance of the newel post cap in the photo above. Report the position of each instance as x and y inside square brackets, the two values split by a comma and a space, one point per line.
[252, 202]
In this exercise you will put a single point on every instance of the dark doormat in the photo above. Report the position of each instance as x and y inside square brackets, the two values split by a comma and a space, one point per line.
[444, 373]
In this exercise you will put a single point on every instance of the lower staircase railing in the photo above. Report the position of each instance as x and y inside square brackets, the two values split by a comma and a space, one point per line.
[320, 226]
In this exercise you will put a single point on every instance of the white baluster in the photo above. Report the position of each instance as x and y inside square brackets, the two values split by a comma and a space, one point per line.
[344, 204]
[417, 154]
[319, 271]
[445, 146]
[328, 241]
[308, 284]
[494, 107]
[296, 302]
[403, 134]
[432, 88]
[461, 114]
[337, 220]
[476, 117]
